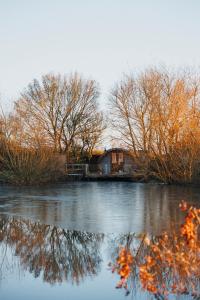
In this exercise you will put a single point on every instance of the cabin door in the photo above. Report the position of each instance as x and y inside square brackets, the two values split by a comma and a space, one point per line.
[117, 160]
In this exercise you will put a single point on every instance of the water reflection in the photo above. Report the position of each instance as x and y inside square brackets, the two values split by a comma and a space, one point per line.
[58, 254]
[114, 207]
[166, 264]
[99, 218]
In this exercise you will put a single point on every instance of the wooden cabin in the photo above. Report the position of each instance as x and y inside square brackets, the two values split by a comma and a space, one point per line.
[115, 161]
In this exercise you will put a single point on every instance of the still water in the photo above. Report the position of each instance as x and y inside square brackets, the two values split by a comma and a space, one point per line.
[56, 241]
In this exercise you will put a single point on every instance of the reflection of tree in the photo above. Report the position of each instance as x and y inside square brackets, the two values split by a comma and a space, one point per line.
[162, 265]
[134, 245]
[56, 253]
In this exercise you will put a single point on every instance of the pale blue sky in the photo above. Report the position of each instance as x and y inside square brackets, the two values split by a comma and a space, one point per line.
[100, 39]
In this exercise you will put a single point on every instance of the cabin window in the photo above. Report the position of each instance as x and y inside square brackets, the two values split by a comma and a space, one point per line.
[114, 158]
[121, 157]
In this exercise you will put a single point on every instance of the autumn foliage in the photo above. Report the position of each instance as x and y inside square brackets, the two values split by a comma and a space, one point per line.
[168, 264]
[123, 267]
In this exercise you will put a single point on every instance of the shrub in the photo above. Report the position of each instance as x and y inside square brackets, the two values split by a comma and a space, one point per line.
[28, 166]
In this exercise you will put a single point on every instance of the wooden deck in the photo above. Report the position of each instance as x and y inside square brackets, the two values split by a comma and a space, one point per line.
[81, 172]
[110, 177]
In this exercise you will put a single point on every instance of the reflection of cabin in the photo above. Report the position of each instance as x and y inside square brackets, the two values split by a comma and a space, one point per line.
[115, 161]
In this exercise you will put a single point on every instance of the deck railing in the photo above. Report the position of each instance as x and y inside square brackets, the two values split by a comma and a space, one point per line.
[77, 169]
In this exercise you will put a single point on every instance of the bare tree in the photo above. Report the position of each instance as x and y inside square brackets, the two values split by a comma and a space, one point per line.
[158, 113]
[60, 112]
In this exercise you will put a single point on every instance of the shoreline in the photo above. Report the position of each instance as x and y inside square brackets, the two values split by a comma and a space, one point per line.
[98, 179]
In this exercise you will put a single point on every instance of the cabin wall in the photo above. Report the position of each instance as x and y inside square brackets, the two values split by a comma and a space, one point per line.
[126, 166]
[105, 165]
[129, 164]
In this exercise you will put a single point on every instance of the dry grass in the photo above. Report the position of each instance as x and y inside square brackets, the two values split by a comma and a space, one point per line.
[27, 166]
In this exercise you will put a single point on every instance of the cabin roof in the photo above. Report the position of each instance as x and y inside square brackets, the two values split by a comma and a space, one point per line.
[96, 158]
[113, 150]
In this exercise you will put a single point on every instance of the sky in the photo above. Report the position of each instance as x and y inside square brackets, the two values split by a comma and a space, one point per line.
[102, 40]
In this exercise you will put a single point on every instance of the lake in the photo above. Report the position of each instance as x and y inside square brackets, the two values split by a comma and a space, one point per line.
[57, 241]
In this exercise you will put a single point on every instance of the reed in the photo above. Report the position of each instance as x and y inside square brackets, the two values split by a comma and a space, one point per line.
[20, 165]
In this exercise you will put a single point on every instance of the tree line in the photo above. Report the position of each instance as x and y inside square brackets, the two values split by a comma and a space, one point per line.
[155, 114]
